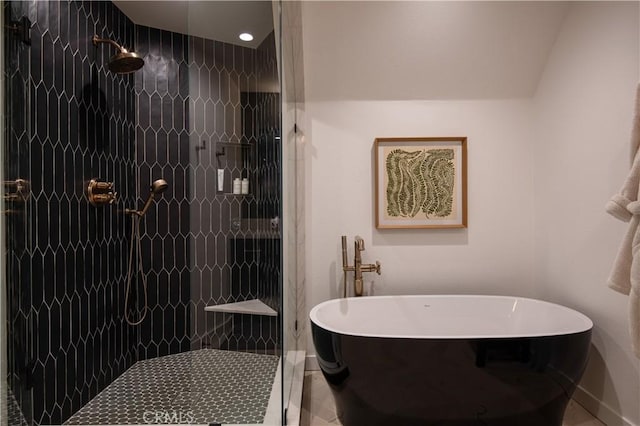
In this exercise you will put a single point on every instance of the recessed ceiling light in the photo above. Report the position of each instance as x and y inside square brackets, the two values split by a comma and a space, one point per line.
[246, 37]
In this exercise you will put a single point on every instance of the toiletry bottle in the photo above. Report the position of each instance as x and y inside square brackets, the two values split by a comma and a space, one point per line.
[220, 180]
[245, 186]
[237, 186]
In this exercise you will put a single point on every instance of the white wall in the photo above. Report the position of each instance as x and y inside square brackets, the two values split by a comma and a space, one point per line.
[583, 109]
[414, 50]
[495, 253]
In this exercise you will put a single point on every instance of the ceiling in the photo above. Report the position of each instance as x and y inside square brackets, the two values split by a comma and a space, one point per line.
[215, 20]
[396, 50]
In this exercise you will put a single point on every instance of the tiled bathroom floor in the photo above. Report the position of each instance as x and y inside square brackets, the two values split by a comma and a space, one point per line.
[318, 408]
[198, 387]
[14, 415]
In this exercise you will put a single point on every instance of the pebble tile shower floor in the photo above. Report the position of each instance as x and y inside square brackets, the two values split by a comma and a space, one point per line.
[198, 387]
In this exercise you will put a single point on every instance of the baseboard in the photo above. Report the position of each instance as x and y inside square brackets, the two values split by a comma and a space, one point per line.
[311, 363]
[600, 410]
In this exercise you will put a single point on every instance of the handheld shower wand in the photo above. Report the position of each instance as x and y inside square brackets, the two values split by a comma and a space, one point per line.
[157, 187]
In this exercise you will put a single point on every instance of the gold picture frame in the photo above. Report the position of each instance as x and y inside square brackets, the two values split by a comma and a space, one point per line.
[421, 183]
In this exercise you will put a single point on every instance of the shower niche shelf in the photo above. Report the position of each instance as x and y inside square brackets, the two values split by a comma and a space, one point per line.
[231, 157]
[251, 307]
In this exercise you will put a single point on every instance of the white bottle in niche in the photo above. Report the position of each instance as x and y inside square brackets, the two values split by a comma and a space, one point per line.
[245, 186]
[237, 186]
[220, 180]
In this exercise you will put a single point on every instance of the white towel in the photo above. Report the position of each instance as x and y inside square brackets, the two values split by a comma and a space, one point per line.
[625, 275]
[617, 206]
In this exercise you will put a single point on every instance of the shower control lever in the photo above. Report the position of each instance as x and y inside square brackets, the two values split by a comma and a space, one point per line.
[101, 193]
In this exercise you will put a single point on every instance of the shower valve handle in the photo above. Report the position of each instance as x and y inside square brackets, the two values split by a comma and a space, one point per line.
[103, 186]
[108, 198]
[100, 192]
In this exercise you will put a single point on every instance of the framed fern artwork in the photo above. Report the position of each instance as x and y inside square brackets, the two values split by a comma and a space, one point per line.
[421, 182]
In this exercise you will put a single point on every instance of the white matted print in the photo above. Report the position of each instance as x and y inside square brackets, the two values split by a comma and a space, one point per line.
[421, 182]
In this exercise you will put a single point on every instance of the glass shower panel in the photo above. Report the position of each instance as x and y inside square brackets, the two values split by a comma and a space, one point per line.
[234, 197]
[17, 214]
[294, 325]
[4, 392]
[208, 114]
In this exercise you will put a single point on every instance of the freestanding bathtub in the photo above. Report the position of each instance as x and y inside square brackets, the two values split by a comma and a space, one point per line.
[450, 360]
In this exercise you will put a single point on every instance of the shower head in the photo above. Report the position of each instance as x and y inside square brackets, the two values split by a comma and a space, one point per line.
[124, 61]
[157, 187]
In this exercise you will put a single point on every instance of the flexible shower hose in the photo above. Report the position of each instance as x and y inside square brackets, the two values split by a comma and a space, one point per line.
[135, 238]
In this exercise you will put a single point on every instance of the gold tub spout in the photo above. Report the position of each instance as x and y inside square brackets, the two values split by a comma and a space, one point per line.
[358, 267]
[345, 265]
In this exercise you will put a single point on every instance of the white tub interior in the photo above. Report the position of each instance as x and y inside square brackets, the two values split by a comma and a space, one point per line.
[447, 317]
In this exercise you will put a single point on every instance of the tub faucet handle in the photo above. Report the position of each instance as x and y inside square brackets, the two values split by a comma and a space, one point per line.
[372, 267]
[377, 267]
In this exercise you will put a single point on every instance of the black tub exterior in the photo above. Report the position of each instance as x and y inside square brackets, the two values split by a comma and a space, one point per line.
[524, 381]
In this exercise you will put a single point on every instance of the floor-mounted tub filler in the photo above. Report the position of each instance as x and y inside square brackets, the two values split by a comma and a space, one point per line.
[450, 360]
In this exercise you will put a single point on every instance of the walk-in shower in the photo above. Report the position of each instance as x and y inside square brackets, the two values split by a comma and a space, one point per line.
[120, 312]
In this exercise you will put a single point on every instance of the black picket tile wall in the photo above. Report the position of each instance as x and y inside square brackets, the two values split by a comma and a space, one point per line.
[20, 312]
[69, 120]
[195, 116]
[71, 256]
[162, 143]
